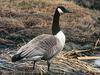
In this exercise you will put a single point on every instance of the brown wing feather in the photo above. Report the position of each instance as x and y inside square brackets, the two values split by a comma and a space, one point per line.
[48, 43]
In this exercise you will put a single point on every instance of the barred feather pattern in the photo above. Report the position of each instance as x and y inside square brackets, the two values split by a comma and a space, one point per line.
[42, 47]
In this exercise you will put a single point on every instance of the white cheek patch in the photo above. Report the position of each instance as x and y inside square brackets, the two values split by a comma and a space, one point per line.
[60, 11]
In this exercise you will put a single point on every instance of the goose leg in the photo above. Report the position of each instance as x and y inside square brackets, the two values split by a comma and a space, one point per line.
[34, 64]
[48, 63]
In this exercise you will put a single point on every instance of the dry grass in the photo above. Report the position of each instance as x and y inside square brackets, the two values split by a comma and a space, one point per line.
[61, 64]
[23, 14]
[82, 24]
[65, 59]
[34, 6]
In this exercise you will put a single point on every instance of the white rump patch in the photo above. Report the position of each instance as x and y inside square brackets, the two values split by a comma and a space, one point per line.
[60, 11]
[33, 58]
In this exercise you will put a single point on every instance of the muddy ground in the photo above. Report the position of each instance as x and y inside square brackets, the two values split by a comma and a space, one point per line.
[20, 21]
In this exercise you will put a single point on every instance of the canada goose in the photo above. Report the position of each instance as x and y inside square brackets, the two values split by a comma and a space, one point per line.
[45, 46]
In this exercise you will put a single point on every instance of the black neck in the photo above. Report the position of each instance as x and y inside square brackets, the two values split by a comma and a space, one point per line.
[55, 25]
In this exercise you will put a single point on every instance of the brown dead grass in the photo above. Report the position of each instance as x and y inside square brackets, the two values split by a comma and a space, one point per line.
[82, 24]
[64, 58]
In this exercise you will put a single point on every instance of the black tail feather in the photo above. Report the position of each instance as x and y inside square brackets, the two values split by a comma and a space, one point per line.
[16, 57]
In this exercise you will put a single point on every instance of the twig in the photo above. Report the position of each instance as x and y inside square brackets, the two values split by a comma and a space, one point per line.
[88, 57]
[80, 51]
[24, 41]
[96, 43]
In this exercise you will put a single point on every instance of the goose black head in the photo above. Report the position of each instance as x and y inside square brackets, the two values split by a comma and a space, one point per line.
[62, 10]
[55, 25]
